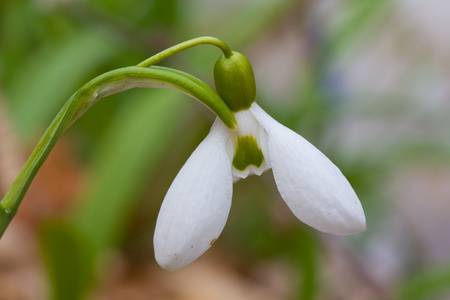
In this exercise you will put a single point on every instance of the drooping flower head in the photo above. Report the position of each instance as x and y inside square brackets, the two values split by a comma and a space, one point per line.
[244, 140]
[196, 207]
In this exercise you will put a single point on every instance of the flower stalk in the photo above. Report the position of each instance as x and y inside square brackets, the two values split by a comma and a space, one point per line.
[186, 45]
[143, 75]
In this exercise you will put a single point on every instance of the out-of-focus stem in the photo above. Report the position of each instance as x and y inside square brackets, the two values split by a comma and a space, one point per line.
[186, 45]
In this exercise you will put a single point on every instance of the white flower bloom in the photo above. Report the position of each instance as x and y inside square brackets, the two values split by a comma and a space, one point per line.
[196, 207]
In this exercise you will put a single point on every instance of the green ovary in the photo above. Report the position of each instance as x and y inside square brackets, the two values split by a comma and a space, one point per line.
[247, 153]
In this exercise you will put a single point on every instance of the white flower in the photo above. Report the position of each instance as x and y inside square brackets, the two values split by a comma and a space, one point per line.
[196, 207]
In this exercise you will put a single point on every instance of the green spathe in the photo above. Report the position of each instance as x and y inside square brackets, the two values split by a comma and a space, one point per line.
[235, 81]
[247, 153]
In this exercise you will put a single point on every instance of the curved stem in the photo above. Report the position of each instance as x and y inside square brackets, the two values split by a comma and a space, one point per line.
[13, 197]
[106, 84]
[186, 45]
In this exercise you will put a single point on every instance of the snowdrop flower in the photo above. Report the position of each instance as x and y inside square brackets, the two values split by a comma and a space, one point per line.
[196, 207]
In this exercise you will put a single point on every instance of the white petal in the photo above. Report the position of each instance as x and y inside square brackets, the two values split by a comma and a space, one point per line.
[197, 204]
[312, 186]
[248, 126]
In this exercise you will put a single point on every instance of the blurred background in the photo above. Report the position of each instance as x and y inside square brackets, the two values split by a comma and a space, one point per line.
[367, 82]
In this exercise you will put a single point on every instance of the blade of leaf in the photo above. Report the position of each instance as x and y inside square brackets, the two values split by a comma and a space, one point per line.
[361, 16]
[69, 258]
[427, 284]
[49, 78]
[203, 17]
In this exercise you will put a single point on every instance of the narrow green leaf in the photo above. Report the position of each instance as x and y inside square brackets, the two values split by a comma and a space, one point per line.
[226, 18]
[19, 24]
[303, 249]
[361, 15]
[47, 78]
[69, 258]
[429, 284]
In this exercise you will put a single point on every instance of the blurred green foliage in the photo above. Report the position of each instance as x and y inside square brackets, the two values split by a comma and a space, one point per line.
[70, 259]
[50, 48]
[126, 153]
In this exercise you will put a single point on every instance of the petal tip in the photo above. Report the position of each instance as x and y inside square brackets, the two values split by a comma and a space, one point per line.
[171, 260]
[357, 226]
[359, 223]
[357, 229]
[177, 259]
[168, 263]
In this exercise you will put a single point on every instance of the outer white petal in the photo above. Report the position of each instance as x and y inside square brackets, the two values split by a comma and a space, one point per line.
[312, 186]
[196, 207]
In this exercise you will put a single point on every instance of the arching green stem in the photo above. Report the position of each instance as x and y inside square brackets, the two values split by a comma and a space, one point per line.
[102, 86]
[185, 45]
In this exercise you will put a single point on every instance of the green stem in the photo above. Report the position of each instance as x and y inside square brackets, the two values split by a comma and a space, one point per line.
[109, 83]
[186, 45]
[13, 197]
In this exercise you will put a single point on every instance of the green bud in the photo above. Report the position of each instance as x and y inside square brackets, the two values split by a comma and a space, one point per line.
[235, 81]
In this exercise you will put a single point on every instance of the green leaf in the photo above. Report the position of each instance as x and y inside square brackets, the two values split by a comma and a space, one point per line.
[69, 258]
[162, 14]
[429, 284]
[19, 26]
[302, 246]
[226, 18]
[48, 77]
[361, 15]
